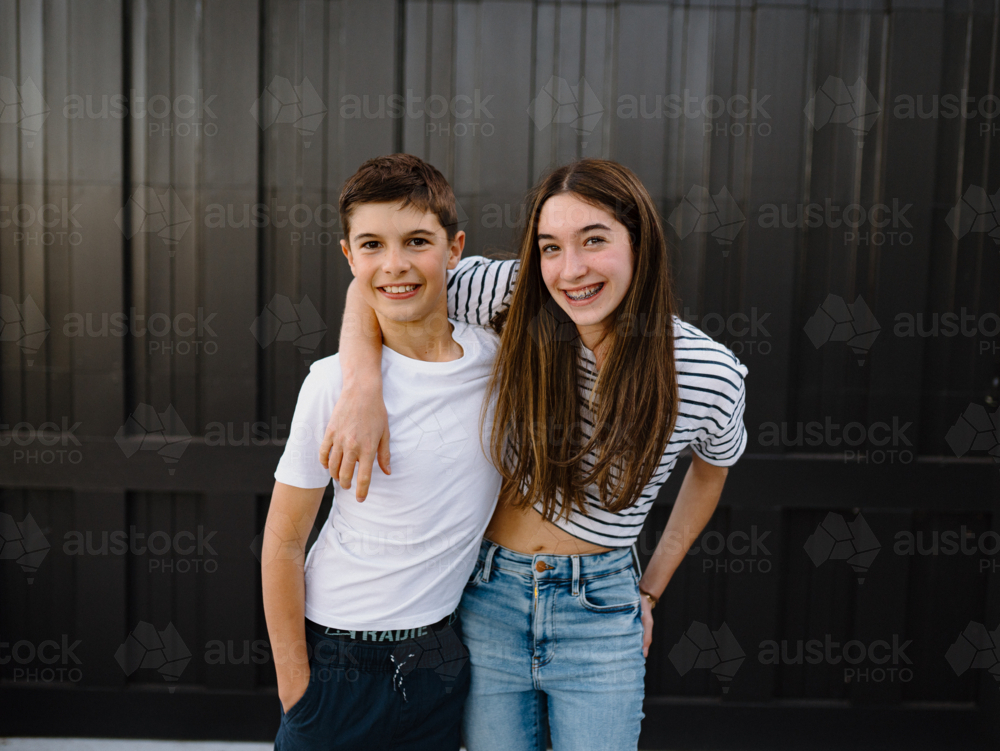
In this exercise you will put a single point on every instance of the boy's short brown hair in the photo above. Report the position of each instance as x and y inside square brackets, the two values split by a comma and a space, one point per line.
[399, 177]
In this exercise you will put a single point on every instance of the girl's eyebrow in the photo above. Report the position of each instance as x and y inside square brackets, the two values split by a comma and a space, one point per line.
[588, 228]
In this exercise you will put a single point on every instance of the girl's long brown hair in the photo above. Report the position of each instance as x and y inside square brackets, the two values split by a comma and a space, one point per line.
[537, 439]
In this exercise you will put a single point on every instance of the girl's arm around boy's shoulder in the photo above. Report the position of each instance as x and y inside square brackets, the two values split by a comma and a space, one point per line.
[479, 288]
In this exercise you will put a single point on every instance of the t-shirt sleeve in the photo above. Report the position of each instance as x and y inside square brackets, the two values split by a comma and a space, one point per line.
[299, 465]
[479, 288]
[726, 437]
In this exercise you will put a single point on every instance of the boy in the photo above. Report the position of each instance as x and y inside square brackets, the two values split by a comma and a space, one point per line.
[364, 631]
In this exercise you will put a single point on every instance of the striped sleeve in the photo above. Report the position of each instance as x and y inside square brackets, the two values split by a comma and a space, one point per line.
[724, 437]
[479, 288]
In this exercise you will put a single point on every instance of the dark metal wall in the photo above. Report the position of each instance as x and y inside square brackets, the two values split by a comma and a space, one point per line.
[179, 163]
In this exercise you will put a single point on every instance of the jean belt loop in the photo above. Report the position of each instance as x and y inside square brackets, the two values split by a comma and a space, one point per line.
[576, 574]
[635, 558]
[488, 563]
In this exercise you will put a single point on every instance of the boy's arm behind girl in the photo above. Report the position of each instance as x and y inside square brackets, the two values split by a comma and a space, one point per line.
[290, 518]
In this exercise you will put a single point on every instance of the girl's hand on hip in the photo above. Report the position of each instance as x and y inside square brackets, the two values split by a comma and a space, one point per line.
[647, 625]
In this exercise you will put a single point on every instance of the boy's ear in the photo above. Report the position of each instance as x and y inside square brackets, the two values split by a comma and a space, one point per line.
[344, 246]
[455, 248]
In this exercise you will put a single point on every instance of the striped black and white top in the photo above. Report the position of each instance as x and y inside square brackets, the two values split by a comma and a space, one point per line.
[710, 385]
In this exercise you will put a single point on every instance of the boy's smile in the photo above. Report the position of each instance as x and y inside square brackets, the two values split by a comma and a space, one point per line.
[399, 291]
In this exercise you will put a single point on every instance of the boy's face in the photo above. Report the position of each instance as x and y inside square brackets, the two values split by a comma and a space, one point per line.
[400, 257]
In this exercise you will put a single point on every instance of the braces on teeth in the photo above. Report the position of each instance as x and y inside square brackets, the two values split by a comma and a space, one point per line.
[597, 288]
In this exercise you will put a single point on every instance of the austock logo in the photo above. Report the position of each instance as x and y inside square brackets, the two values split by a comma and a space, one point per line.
[976, 212]
[156, 212]
[880, 652]
[180, 547]
[702, 648]
[461, 217]
[23, 324]
[558, 102]
[441, 651]
[880, 224]
[147, 648]
[192, 113]
[281, 320]
[700, 211]
[976, 648]
[435, 430]
[148, 430]
[24, 543]
[185, 333]
[299, 106]
[257, 543]
[43, 225]
[23, 106]
[836, 539]
[742, 333]
[877, 442]
[976, 430]
[745, 112]
[836, 320]
[50, 653]
[56, 442]
[459, 115]
[735, 553]
[837, 103]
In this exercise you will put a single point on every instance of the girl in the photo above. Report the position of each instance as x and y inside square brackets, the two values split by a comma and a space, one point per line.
[596, 390]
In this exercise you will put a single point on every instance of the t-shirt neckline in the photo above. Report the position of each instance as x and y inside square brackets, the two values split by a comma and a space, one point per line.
[458, 331]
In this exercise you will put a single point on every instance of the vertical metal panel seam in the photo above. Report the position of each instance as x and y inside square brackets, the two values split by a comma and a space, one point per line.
[128, 365]
[428, 72]
[531, 93]
[397, 126]
[172, 196]
[960, 156]
[874, 259]
[741, 270]
[800, 250]
[582, 63]
[991, 87]
[610, 32]
[864, 56]
[261, 200]
[199, 245]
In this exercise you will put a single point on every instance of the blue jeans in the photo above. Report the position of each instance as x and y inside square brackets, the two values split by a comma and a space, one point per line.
[553, 635]
[404, 696]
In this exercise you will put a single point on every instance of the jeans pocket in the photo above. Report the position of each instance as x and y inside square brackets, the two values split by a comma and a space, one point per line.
[311, 689]
[613, 593]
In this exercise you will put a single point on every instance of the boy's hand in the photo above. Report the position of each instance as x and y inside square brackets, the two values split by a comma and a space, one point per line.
[293, 687]
[358, 433]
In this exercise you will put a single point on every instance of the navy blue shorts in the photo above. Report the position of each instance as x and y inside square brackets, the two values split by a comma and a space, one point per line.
[406, 695]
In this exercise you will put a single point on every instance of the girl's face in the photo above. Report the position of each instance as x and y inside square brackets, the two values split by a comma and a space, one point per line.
[586, 260]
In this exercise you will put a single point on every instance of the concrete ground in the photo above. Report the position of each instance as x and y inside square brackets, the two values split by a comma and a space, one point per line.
[102, 744]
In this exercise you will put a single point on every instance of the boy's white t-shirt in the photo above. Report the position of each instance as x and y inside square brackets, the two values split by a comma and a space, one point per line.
[401, 558]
